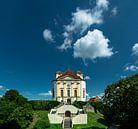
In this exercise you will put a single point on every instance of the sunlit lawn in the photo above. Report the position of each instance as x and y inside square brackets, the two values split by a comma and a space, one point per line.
[95, 121]
[42, 115]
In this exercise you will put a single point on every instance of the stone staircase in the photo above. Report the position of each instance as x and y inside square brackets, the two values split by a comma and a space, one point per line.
[67, 123]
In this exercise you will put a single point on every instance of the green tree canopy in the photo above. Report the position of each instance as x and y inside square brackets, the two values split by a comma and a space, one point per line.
[121, 102]
[15, 111]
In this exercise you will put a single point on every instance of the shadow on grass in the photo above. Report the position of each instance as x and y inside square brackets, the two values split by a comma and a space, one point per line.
[102, 121]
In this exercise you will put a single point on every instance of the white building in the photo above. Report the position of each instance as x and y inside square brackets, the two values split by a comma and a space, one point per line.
[68, 87]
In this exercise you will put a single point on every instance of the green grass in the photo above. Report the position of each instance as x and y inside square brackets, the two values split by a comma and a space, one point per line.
[95, 121]
[38, 115]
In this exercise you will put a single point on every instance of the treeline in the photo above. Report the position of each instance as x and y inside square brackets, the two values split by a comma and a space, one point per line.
[43, 104]
[16, 112]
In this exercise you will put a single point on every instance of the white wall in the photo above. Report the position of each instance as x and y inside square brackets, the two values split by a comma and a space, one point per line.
[55, 119]
[83, 85]
[80, 119]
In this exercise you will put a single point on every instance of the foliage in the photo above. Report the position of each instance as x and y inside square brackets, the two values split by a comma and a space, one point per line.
[95, 121]
[98, 106]
[15, 111]
[43, 115]
[43, 104]
[41, 124]
[79, 104]
[121, 103]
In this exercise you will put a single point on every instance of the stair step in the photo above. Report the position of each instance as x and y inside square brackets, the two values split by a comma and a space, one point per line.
[67, 124]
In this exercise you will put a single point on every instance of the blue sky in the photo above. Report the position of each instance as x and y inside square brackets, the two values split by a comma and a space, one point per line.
[38, 38]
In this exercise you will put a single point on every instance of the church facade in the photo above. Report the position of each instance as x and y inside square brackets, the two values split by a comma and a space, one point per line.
[68, 87]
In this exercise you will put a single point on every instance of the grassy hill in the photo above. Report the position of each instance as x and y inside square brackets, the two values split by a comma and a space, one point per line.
[42, 115]
[95, 121]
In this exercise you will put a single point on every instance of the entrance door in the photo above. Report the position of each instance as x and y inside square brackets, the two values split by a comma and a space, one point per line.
[68, 101]
[67, 114]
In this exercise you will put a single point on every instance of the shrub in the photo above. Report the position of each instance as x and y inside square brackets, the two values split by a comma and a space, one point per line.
[42, 124]
[43, 104]
[98, 106]
[79, 104]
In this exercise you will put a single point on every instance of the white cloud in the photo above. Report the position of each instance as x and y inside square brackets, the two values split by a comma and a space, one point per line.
[102, 4]
[123, 77]
[1, 96]
[88, 96]
[114, 11]
[131, 68]
[135, 49]
[47, 34]
[93, 45]
[101, 95]
[83, 19]
[3, 88]
[49, 93]
[87, 78]
[66, 44]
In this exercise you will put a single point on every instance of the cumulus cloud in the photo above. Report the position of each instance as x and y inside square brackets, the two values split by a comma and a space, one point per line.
[93, 45]
[49, 93]
[66, 44]
[135, 49]
[87, 78]
[83, 19]
[132, 68]
[47, 34]
[102, 4]
[114, 11]
[3, 88]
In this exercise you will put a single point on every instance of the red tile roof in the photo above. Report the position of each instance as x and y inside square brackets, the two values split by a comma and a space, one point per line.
[95, 99]
[69, 73]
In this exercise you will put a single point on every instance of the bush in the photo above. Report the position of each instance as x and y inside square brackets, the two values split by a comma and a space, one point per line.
[42, 124]
[43, 104]
[98, 106]
[79, 104]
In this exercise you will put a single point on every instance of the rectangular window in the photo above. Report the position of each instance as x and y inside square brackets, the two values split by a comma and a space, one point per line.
[75, 93]
[61, 93]
[68, 93]
[83, 93]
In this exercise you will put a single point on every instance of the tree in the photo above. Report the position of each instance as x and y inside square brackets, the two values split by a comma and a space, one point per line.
[15, 111]
[121, 103]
